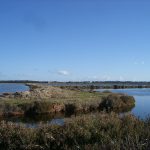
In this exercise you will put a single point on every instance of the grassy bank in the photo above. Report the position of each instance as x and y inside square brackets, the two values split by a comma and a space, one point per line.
[77, 101]
[98, 132]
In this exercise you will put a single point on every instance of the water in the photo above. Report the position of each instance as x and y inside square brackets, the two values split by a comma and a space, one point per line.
[142, 97]
[37, 120]
[12, 88]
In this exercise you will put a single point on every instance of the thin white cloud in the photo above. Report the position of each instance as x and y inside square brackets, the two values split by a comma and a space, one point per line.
[106, 78]
[143, 62]
[2, 74]
[121, 78]
[135, 63]
[139, 63]
[63, 72]
[95, 77]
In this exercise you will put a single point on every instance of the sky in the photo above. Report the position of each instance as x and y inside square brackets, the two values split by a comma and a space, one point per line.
[75, 40]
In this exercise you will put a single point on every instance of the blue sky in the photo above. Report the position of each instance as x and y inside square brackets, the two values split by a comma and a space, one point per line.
[75, 40]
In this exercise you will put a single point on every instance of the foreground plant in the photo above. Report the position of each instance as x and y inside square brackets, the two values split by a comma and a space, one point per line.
[99, 131]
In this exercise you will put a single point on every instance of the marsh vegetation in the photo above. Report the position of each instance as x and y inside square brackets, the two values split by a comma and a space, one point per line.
[100, 132]
[105, 129]
[45, 99]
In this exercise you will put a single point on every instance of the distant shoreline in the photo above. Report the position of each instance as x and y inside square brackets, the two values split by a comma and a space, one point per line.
[88, 84]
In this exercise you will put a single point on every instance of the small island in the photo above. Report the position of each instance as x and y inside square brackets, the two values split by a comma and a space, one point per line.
[43, 99]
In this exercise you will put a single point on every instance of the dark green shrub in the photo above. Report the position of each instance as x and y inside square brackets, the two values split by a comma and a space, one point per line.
[70, 109]
[38, 107]
[116, 101]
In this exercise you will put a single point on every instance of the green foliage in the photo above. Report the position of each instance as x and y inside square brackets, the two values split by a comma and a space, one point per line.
[117, 101]
[38, 107]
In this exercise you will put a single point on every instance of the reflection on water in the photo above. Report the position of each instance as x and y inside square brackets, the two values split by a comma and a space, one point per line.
[36, 120]
[142, 97]
[142, 108]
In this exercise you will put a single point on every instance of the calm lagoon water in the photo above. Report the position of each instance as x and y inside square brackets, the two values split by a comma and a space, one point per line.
[12, 87]
[142, 97]
[36, 121]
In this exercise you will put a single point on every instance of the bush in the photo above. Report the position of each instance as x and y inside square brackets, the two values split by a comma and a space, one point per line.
[116, 101]
[70, 109]
[38, 107]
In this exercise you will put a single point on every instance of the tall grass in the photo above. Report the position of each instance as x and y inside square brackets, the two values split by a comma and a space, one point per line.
[87, 132]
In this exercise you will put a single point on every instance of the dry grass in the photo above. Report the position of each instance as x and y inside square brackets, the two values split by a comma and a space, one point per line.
[86, 132]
